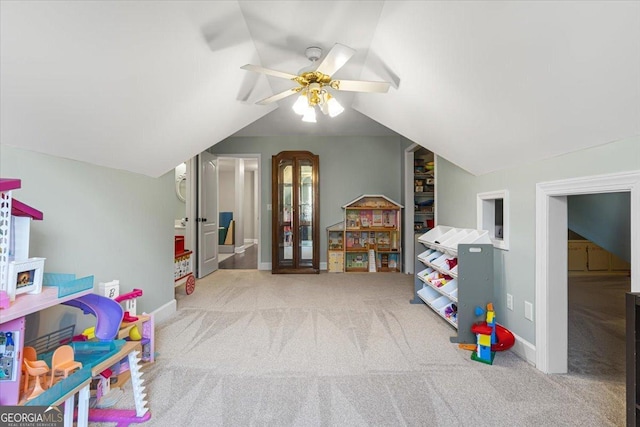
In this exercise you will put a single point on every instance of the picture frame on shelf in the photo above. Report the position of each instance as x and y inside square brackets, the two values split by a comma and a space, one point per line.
[25, 277]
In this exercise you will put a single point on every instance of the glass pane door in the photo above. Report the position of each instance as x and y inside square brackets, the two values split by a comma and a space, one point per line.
[285, 213]
[305, 212]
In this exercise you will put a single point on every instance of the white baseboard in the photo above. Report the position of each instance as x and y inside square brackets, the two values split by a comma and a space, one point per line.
[265, 266]
[165, 311]
[250, 241]
[239, 249]
[525, 350]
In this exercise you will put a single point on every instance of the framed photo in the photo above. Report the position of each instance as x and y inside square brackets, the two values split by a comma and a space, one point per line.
[25, 277]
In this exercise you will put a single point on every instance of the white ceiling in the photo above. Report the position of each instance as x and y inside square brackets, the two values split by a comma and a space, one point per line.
[145, 85]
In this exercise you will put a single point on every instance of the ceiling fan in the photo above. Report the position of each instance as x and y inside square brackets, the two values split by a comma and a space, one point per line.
[313, 85]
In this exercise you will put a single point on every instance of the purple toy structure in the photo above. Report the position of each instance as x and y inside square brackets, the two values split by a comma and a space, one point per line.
[123, 417]
[108, 314]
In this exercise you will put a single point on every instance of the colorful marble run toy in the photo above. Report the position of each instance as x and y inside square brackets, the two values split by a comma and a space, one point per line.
[485, 336]
[491, 337]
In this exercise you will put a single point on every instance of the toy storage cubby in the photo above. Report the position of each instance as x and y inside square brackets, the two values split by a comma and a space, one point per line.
[457, 276]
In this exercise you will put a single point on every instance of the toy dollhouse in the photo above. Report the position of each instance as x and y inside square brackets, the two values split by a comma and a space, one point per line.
[18, 273]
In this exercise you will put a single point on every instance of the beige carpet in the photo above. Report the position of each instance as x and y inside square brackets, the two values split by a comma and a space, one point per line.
[251, 348]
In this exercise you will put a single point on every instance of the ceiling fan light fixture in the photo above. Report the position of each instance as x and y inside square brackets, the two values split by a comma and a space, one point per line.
[313, 82]
[301, 104]
[309, 115]
[334, 107]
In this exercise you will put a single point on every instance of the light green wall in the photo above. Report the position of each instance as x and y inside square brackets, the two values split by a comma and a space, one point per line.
[604, 219]
[515, 268]
[97, 221]
[349, 167]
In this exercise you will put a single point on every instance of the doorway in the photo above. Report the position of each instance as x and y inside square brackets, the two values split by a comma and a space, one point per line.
[186, 218]
[552, 259]
[239, 206]
[418, 219]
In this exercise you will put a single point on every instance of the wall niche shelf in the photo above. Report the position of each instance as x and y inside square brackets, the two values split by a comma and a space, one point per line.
[457, 275]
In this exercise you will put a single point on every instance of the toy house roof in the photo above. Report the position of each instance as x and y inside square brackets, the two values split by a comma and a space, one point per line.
[21, 209]
[8, 184]
[371, 196]
[17, 207]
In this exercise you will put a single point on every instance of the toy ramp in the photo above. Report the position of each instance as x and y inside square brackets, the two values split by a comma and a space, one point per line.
[108, 314]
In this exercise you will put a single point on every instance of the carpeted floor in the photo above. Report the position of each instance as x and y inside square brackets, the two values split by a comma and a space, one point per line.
[251, 348]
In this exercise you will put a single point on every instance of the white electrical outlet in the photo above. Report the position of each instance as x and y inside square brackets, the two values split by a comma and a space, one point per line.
[528, 310]
[510, 302]
[268, 206]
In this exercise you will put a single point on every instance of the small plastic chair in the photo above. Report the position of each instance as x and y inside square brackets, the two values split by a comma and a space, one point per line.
[36, 369]
[30, 354]
[62, 362]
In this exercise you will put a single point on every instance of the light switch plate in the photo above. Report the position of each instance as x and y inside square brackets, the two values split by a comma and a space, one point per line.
[528, 310]
[510, 302]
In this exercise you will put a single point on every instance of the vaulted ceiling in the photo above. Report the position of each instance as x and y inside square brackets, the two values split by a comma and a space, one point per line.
[145, 85]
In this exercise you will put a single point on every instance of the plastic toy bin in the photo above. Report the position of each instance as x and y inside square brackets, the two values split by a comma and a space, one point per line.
[91, 353]
[67, 284]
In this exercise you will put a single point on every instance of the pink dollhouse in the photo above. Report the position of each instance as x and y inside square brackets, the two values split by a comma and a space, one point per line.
[18, 273]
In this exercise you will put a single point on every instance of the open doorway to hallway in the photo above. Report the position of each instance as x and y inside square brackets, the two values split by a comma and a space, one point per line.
[552, 259]
[238, 204]
[598, 279]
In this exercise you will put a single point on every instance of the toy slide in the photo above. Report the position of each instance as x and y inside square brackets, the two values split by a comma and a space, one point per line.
[505, 339]
[108, 314]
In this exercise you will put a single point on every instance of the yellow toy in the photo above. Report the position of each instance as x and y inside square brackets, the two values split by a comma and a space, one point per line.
[134, 334]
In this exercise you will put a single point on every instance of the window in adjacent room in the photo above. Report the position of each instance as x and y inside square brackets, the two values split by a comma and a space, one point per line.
[493, 216]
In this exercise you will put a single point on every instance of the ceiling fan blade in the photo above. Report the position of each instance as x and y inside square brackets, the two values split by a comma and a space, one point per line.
[360, 86]
[275, 73]
[335, 59]
[278, 96]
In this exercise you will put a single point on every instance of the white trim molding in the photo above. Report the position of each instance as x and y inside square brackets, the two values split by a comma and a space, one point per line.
[524, 349]
[551, 257]
[486, 214]
[165, 311]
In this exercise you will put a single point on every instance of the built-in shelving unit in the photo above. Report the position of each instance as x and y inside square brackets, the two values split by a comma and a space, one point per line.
[424, 190]
[456, 275]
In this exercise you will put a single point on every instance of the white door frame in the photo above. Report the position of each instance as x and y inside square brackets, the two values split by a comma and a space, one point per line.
[551, 258]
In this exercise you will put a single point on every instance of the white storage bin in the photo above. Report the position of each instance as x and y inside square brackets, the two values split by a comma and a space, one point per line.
[433, 255]
[452, 241]
[440, 302]
[428, 294]
[424, 273]
[441, 262]
[423, 256]
[454, 271]
[450, 287]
